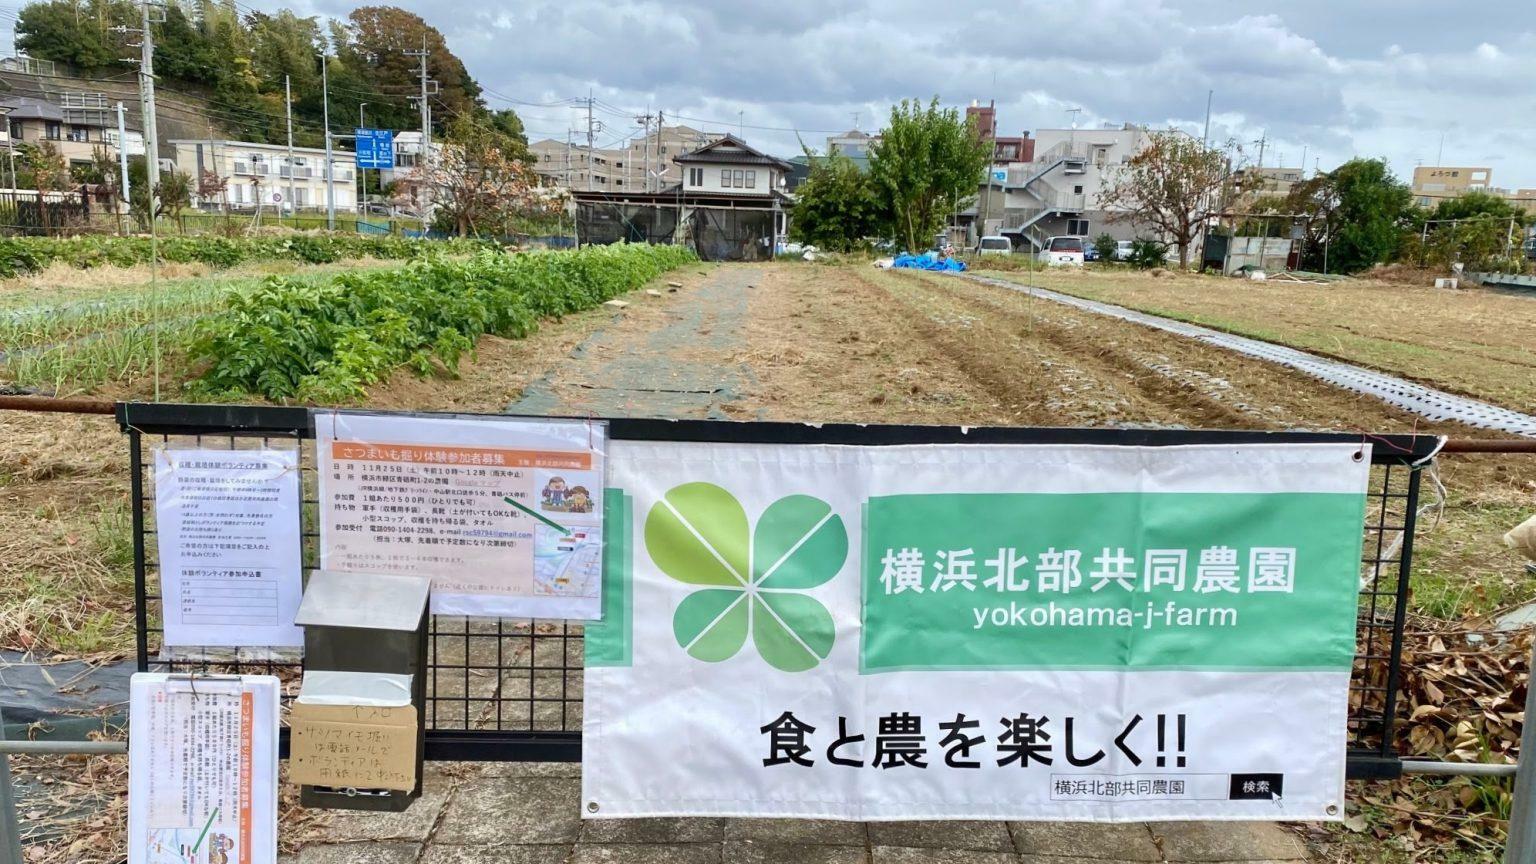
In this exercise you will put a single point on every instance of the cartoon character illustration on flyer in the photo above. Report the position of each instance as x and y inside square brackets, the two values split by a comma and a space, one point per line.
[554, 494]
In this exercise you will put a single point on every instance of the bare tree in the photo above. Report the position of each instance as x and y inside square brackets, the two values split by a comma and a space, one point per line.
[476, 181]
[1168, 186]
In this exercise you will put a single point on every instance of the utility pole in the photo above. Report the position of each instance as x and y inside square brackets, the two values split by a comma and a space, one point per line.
[589, 139]
[288, 103]
[147, 98]
[330, 185]
[645, 149]
[426, 131]
[364, 171]
[1206, 141]
[122, 159]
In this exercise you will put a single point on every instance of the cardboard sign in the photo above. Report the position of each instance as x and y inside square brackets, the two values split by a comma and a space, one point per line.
[356, 746]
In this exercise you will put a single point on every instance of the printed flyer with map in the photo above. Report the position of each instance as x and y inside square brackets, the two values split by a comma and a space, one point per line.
[202, 769]
[504, 515]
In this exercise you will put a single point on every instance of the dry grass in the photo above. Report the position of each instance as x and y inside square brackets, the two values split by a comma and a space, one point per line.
[1475, 342]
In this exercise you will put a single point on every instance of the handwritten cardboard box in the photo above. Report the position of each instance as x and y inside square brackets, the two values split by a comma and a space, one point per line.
[353, 746]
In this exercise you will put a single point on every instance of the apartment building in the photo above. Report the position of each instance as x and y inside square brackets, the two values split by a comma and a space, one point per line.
[642, 164]
[1435, 183]
[1005, 150]
[77, 126]
[260, 174]
[1060, 190]
[1250, 183]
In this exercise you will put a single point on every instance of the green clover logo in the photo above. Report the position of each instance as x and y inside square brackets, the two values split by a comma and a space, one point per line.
[698, 534]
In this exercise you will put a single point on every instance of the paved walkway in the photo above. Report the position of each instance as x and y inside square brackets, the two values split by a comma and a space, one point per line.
[529, 813]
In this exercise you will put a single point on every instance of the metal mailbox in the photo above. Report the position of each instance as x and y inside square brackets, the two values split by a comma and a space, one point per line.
[367, 623]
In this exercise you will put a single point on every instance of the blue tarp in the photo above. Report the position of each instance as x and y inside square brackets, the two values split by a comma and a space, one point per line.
[928, 261]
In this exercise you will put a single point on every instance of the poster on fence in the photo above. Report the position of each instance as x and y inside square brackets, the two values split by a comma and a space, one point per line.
[1106, 633]
[202, 769]
[227, 531]
[504, 515]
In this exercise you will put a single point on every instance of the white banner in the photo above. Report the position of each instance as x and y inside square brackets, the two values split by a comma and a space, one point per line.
[975, 632]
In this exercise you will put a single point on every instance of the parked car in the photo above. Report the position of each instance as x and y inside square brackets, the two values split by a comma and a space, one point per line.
[1062, 252]
[1090, 252]
[1123, 249]
[994, 244]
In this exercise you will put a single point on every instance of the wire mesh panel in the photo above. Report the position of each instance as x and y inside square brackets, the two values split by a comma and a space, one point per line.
[511, 689]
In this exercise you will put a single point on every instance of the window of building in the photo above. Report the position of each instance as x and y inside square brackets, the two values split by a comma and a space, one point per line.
[725, 178]
[51, 131]
[751, 179]
[16, 129]
[1077, 227]
[79, 133]
[739, 178]
[695, 176]
[1077, 190]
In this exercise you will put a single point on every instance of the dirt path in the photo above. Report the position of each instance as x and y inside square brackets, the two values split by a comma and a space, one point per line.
[674, 364]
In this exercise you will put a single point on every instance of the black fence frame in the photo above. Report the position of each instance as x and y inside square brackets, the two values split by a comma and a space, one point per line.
[1392, 506]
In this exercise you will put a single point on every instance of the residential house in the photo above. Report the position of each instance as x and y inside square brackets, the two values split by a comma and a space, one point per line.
[261, 174]
[412, 197]
[1061, 190]
[730, 204]
[78, 126]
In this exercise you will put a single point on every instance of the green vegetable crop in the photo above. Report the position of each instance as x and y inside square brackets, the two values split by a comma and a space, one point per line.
[327, 341]
[22, 255]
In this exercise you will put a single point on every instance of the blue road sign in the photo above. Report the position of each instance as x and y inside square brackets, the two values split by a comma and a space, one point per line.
[375, 148]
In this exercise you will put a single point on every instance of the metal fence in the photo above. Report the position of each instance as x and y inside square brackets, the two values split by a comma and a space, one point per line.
[511, 689]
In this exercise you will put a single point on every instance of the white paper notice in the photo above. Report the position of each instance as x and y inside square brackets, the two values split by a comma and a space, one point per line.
[505, 516]
[202, 769]
[230, 568]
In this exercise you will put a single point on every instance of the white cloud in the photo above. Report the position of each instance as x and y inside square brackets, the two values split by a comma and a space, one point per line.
[1336, 78]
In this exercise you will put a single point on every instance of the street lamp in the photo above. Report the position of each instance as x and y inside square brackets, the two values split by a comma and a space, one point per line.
[364, 171]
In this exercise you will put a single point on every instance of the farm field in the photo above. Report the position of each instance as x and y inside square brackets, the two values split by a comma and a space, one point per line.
[1474, 342]
[810, 342]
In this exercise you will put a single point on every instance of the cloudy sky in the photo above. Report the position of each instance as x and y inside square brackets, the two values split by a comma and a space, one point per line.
[1331, 78]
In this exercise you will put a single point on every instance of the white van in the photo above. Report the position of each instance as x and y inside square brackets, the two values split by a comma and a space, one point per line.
[1062, 252]
[994, 244]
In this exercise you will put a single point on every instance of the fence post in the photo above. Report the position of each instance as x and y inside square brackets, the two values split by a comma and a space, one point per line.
[1521, 846]
[10, 833]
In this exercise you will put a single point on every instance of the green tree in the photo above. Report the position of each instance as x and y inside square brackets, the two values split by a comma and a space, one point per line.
[836, 207]
[928, 164]
[77, 32]
[1107, 247]
[1168, 187]
[284, 44]
[377, 38]
[1367, 206]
